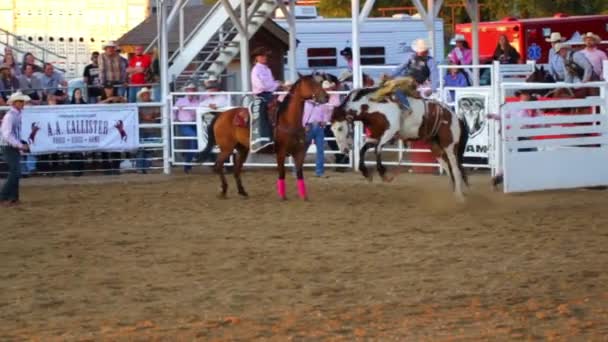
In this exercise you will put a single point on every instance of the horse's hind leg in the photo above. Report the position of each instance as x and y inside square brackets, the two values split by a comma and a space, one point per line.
[243, 152]
[281, 189]
[219, 167]
[299, 160]
[379, 166]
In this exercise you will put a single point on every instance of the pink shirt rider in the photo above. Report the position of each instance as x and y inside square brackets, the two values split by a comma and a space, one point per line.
[262, 79]
[595, 56]
[461, 56]
[186, 115]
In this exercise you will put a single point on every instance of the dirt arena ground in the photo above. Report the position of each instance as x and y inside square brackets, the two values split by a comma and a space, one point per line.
[154, 258]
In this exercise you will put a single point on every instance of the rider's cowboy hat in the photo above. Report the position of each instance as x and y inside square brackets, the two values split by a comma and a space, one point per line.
[555, 37]
[592, 36]
[17, 96]
[260, 51]
[110, 43]
[419, 45]
[327, 84]
[346, 52]
[143, 91]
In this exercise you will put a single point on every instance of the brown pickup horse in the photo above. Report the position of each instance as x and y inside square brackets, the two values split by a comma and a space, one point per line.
[290, 134]
[230, 131]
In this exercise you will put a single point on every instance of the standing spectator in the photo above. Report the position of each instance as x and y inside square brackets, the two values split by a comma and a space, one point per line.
[92, 79]
[10, 61]
[187, 114]
[139, 65]
[578, 68]
[12, 147]
[505, 53]
[147, 115]
[556, 62]
[594, 55]
[461, 55]
[8, 83]
[52, 81]
[214, 101]
[30, 85]
[28, 59]
[314, 120]
[111, 66]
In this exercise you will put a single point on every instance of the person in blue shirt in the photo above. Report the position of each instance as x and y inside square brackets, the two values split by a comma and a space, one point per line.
[557, 68]
[420, 66]
[455, 78]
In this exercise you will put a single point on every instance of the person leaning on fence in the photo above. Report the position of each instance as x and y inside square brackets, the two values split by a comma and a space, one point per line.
[12, 147]
[214, 101]
[578, 68]
[139, 65]
[595, 56]
[147, 115]
[556, 62]
[111, 66]
[186, 113]
[263, 85]
[108, 94]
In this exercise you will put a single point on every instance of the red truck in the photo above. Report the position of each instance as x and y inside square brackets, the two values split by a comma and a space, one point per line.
[528, 35]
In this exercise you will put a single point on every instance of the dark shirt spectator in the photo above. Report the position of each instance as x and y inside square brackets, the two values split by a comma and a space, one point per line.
[505, 53]
[92, 78]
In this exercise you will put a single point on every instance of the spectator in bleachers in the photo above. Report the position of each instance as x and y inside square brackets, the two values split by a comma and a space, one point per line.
[108, 94]
[52, 81]
[505, 53]
[594, 55]
[186, 113]
[578, 68]
[8, 83]
[9, 60]
[556, 62]
[111, 66]
[30, 85]
[139, 65]
[147, 115]
[28, 59]
[92, 79]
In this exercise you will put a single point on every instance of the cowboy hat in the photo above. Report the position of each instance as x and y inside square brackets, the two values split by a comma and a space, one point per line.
[143, 91]
[18, 96]
[260, 51]
[592, 36]
[110, 43]
[419, 45]
[4, 66]
[211, 82]
[190, 86]
[327, 84]
[347, 51]
[555, 37]
[559, 46]
[459, 38]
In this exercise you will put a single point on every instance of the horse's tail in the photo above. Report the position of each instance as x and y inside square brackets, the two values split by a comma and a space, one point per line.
[210, 139]
[462, 145]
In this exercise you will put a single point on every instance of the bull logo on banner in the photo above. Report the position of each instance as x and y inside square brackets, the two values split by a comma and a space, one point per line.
[121, 130]
[473, 110]
[34, 130]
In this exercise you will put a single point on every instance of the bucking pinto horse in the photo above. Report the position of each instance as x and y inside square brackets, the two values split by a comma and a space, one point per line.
[426, 120]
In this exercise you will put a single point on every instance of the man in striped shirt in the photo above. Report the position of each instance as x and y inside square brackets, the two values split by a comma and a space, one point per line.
[12, 146]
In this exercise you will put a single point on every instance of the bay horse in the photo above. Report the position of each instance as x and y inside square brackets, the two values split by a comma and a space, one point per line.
[290, 133]
[425, 120]
[230, 130]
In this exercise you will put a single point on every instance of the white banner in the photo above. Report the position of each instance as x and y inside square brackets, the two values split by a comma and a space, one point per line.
[474, 107]
[81, 128]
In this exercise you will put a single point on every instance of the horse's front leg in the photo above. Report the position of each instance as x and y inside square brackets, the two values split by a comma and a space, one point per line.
[362, 167]
[299, 160]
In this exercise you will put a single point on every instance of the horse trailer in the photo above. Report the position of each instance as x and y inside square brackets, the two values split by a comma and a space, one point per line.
[383, 41]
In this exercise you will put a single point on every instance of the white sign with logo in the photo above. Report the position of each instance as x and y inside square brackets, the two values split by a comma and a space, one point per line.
[81, 128]
[473, 108]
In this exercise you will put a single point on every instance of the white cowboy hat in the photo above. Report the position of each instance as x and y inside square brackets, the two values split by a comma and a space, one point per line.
[555, 37]
[459, 38]
[190, 86]
[143, 91]
[18, 96]
[592, 36]
[110, 43]
[560, 46]
[419, 45]
[327, 84]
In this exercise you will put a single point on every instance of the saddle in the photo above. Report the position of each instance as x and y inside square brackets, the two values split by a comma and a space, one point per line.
[241, 119]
